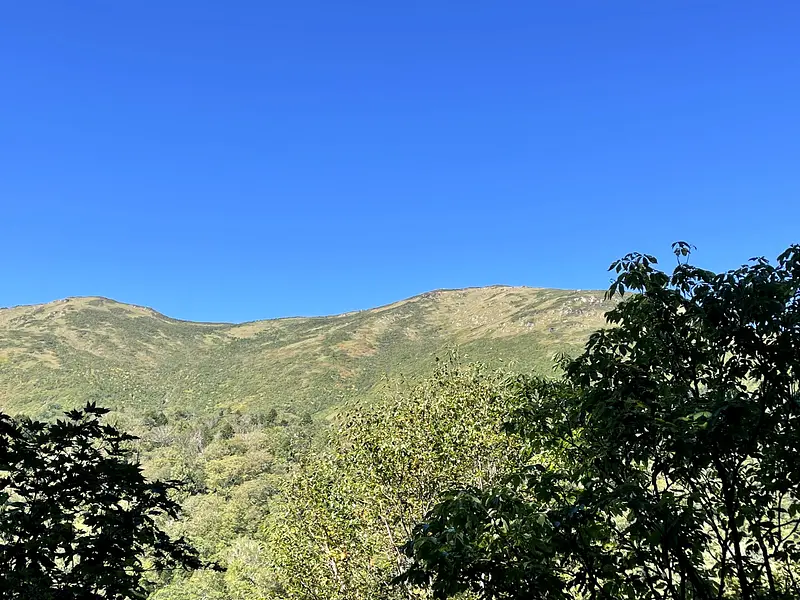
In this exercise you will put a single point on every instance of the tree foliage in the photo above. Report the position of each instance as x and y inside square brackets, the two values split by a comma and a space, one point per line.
[337, 533]
[669, 454]
[77, 518]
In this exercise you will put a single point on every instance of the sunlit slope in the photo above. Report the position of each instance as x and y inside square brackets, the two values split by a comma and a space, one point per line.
[54, 356]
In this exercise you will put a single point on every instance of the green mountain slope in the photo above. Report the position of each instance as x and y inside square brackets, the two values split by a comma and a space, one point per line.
[236, 411]
[58, 355]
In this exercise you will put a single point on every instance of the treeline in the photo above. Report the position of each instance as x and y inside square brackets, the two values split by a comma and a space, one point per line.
[331, 523]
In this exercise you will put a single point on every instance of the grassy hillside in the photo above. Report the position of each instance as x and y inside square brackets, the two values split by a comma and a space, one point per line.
[57, 355]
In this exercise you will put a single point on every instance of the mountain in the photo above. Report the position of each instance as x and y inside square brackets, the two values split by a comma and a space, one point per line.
[238, 412]
[58, 355]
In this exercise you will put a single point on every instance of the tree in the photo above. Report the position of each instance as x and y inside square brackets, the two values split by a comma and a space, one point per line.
[78, 521]
[343, 516]
[670, 453]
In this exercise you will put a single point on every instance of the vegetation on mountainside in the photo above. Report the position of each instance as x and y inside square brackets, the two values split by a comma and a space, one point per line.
[331, 526]
[669, 455]
[234, 410]
[57, 356]
[77, 518]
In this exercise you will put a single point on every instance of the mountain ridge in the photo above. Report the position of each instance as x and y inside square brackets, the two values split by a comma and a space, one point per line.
[57, 355]
[67, 299]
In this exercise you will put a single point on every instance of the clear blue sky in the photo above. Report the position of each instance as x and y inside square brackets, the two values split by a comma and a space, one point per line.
[251, 159]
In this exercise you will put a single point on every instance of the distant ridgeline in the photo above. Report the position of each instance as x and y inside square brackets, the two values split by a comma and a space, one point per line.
[151, 369]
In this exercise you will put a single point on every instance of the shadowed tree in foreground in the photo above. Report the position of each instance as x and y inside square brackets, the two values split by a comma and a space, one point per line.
[78, 521]
[669, 454]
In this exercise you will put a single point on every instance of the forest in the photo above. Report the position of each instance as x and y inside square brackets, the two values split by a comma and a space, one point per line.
[662, 461]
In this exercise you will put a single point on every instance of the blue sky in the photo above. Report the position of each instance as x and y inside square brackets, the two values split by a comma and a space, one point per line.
[236, 160]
